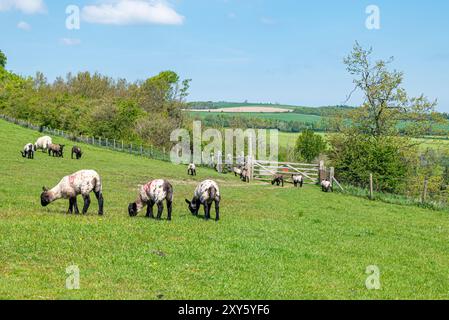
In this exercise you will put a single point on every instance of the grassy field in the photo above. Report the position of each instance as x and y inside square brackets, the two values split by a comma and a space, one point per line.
[271, 243]
[274, 116]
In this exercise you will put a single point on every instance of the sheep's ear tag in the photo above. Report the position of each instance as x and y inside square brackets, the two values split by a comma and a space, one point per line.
[44, 189]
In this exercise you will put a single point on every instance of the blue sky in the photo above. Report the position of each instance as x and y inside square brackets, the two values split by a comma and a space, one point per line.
[284, 51]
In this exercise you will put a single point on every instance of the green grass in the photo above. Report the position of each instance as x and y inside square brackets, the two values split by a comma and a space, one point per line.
[271, 243]
[273, 116]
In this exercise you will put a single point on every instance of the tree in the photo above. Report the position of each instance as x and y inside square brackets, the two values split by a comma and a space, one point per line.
[386, 103]
[309, 145]
[3, 59]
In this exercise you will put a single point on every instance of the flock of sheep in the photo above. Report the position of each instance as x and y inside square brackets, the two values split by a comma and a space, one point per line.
[155, 192]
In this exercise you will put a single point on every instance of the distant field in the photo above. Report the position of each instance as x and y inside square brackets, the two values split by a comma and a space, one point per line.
[274, 116]
[246, 109]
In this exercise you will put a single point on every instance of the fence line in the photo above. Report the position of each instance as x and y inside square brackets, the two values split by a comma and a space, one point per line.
[111, 144]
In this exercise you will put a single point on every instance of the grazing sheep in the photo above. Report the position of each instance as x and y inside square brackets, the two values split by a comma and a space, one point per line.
[191, 170]
[154, 192]
[244, 176]
[56, 149]
[298, 179]
[205, 194]
[28, 151]
[77, 152]
[82, 182]
[278, 179]
[43, 143]
[326, 186]
[237, 171]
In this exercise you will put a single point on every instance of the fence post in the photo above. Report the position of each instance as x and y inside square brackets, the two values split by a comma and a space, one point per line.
[114, 144]
[371, 191]
[331, 176]
[131, 148]
[122, 145]
[321, 172]
[424, 193]
[141, 150]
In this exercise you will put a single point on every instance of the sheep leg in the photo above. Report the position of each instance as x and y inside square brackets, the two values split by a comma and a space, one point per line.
[75, 205]
[169, 209]
[70, 211]
[217, 210]
[160, 208]
[198, 205]
[150, 209]
[86, 203]
[207, 211]
[100, 199]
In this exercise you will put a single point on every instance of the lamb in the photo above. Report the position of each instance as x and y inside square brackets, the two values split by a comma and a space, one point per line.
[80, 183]
[205, 194]
[326, 186]
[43, 143]
[298, 179]
[244, 176]
[191, 170]
[237, 171]
[278, 179]
[154, 192]
[77, 152]
[28, 151]
[56, 149]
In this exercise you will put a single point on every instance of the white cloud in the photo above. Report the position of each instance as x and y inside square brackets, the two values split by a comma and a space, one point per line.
[22, 25]
[70, 41]
[25, 6]
[125, 12]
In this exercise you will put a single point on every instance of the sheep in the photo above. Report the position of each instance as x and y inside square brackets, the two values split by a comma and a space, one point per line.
[205, 194]
[43, 143]
[82, 182]
[237, 171]
[154, 192]
[244, 176]
[191, 170]
[56, 149]
[298, 179]
[28, 151]
[77, 152]
[278, 179]
[326, 186]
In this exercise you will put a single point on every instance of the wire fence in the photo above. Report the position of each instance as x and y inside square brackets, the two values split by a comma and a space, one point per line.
[111, 144]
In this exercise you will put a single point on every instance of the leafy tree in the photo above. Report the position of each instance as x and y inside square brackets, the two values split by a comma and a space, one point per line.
[386, 103]
[3, 59]
[309, 145]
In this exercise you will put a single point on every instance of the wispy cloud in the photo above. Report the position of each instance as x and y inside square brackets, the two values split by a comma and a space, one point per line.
[70, 41]
[22, 25]
[126, 12]
[267, 21]
[25, 6]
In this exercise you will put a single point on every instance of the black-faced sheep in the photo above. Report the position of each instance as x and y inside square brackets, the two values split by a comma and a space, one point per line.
[80, 183]
[298, 180]
[57, 150]
[77, 152]
[244, 176]
[28, 151]
[205, 194]
[154, 192]
[191, 170]
[278, 180]
[326, 186]
[43, 143]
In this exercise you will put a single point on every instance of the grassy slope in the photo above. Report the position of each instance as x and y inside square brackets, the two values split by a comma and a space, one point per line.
[271, 243]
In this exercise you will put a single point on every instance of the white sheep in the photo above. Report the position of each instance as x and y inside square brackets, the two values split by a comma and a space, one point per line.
[154, 192]
[28, 151]
[82, 182]
[298, 179]
[205, 194]
[326, 186]
[191, 170]
[43, 143]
